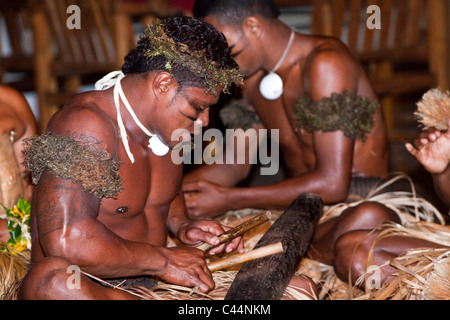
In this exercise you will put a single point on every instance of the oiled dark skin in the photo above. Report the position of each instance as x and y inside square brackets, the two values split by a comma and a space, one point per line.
[125, 235]
[319, 162]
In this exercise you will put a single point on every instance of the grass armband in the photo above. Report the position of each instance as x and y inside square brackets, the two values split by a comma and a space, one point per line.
[347, 112]
[67, 158]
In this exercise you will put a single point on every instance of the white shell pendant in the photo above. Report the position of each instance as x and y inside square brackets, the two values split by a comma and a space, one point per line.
[271, 86]
[157, 147]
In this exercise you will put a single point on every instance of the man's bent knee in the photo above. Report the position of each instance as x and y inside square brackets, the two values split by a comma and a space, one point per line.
[47, 279]
[351, 253]
[305, 287]
[371, 214]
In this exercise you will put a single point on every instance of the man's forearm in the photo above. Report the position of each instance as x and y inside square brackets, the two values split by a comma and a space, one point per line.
[97, 250]
[226, 175]
[280, 195]
[232, 169]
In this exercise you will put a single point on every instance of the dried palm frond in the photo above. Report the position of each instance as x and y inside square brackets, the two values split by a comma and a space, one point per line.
[413, 267]
[427, 231]
[223, 280]
[421, 274]
[434, 109]
[417, 221]
[437, 286]
[333, 288]
[165, 291]
[407, 205]
[296, 293]
[13, 267]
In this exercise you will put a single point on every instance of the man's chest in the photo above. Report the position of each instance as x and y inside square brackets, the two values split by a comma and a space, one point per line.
[147, 186]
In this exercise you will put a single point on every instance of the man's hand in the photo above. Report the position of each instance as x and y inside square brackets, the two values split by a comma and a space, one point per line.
[187, 267]
[205, 199]
[196, 232]
[432, 150]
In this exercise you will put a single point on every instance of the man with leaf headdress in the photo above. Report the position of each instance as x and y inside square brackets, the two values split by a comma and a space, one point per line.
[107, 192]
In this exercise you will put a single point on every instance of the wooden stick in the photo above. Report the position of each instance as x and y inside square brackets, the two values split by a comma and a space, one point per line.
[238, 230]
[247, 256]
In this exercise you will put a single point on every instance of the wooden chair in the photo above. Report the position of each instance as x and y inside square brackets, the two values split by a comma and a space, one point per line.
[17, 33]
[407, 54]
[65, 58]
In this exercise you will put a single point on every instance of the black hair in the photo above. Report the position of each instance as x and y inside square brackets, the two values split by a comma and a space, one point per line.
[197, 35]
[234, 12]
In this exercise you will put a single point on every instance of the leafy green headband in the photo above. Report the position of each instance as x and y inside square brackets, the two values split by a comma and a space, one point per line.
[196, 61]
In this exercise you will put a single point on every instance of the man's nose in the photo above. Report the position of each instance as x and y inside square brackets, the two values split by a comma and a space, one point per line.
[203, 119]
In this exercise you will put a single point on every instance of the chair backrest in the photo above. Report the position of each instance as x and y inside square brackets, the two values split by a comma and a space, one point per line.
[83, 34]
[401, 34]
[16, 46]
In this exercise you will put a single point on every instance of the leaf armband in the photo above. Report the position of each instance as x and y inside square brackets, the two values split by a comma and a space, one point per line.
[67, 158]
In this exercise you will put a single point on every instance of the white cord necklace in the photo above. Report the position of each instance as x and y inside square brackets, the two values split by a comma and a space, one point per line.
[154, 143]
[271, 86]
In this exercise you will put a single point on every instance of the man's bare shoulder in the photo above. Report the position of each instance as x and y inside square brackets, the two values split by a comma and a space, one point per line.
[330, 67]
[85, 118]
[329, 50]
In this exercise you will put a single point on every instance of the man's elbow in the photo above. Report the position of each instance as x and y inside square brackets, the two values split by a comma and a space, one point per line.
[240, 171]
[335, 193]
[65, 247]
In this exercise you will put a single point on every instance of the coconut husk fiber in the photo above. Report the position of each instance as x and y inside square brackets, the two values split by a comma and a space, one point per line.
[433, 110]
[83, 162]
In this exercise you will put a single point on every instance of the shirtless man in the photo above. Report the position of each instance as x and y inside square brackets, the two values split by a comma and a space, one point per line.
[325, 162]
[124, 234]
[315, 67]
[17, 122]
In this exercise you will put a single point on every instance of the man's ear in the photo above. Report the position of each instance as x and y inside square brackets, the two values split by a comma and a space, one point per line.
[162, 82]
[252, 27]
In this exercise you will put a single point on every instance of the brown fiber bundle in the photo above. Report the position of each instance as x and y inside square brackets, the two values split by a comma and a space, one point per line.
[434, 109]
[13, 267]
[67, 158]
[422, 274]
